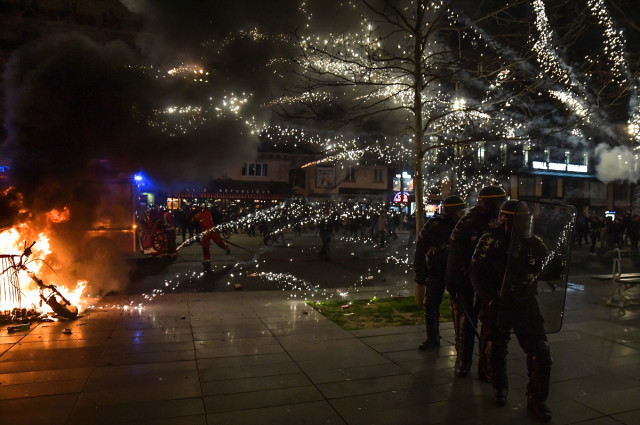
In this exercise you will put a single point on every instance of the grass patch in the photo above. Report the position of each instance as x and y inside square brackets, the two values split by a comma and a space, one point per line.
[377, 312]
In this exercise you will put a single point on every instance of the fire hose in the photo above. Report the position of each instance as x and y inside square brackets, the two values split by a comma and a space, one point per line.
[194, 238]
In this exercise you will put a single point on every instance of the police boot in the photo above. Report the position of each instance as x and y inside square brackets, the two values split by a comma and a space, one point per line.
[484, 365]
[483, 374]
[501, 394]
[462, 368]
[464, 348]
[539, 408]
[429, 343]
[433, 332]
[539, 366]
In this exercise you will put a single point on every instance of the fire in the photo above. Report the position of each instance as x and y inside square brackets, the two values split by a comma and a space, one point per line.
[58, 216]
[21, 283]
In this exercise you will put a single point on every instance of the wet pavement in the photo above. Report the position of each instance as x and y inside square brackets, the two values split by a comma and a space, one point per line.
[187, 355]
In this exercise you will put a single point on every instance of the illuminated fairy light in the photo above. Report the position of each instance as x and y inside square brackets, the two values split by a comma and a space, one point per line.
[614, 39]
[543, 46]
[174, 120]
[577, 105]
[633, 124]
[363, 58]
[307, 97]
[348, 156]
[253, 35]
[190, 71]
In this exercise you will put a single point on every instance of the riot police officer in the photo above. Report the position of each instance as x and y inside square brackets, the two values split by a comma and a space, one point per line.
[504, 272]
[464, 237]
[430, 264]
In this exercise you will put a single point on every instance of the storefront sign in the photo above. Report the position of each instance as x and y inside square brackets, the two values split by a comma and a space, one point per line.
[559, 166]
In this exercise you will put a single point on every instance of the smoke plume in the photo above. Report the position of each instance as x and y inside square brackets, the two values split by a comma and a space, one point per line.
[615, 164]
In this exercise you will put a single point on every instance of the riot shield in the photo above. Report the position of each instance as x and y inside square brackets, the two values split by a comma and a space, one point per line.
[537, 267]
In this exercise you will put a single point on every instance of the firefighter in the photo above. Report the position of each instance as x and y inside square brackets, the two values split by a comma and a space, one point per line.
[464, 237]
[430, 264]
[209, 233]
[167, 223]
[504, 272]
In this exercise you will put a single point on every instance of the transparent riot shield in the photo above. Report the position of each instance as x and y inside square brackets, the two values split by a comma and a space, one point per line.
[537, 267]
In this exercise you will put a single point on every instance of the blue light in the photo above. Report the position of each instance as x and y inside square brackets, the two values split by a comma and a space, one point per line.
[141, 180]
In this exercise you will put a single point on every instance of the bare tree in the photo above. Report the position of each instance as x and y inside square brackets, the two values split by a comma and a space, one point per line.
[394, 76]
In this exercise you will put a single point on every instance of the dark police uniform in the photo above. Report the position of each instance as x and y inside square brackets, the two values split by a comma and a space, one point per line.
[504, 275]
[430, 264]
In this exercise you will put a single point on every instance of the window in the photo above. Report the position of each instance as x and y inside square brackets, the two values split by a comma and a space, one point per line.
[378, 175]
[549, 187]
[527, 186]
[254, 170]
[597, 190]
[351, 174]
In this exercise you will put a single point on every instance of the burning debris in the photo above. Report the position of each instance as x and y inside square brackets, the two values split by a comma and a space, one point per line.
[27, 289]
[11, 292]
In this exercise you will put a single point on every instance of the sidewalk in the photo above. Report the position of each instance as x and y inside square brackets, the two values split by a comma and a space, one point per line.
[254, 358]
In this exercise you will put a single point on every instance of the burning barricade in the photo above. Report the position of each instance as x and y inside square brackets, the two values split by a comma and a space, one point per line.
[48, 293]
[30, 289]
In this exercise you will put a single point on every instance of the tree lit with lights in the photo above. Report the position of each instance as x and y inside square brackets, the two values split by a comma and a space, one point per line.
[467, 96]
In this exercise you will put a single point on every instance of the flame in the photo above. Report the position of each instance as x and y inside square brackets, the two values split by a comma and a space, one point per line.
[13, 242]
[58, 216]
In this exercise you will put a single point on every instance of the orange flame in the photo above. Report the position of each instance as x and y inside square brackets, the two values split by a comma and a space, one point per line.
[58, 216]
[13, 241]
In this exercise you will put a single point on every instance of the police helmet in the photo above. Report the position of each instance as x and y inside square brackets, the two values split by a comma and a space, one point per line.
[518, 216]
[452, 204]
[491, 197]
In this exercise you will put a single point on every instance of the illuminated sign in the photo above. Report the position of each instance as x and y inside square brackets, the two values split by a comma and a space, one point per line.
[401, 197]
[559, 166]
[431, 210]
[403, 182]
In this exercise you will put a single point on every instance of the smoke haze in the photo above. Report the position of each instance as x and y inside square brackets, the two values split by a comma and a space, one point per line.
[615, 164]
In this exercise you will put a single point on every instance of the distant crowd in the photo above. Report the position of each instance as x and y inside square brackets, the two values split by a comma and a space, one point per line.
[606, 233]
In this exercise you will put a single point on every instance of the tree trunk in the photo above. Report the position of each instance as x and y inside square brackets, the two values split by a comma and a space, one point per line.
[418, 179]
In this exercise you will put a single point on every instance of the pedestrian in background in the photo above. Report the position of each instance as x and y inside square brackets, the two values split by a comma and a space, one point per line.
[594, 233]
[325, 230]
[411, 226]
[382, 228]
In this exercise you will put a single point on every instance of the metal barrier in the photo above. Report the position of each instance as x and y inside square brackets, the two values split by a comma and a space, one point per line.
[10, 295]
[620, 282]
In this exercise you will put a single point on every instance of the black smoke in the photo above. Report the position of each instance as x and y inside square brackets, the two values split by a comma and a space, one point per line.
[73, 104]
